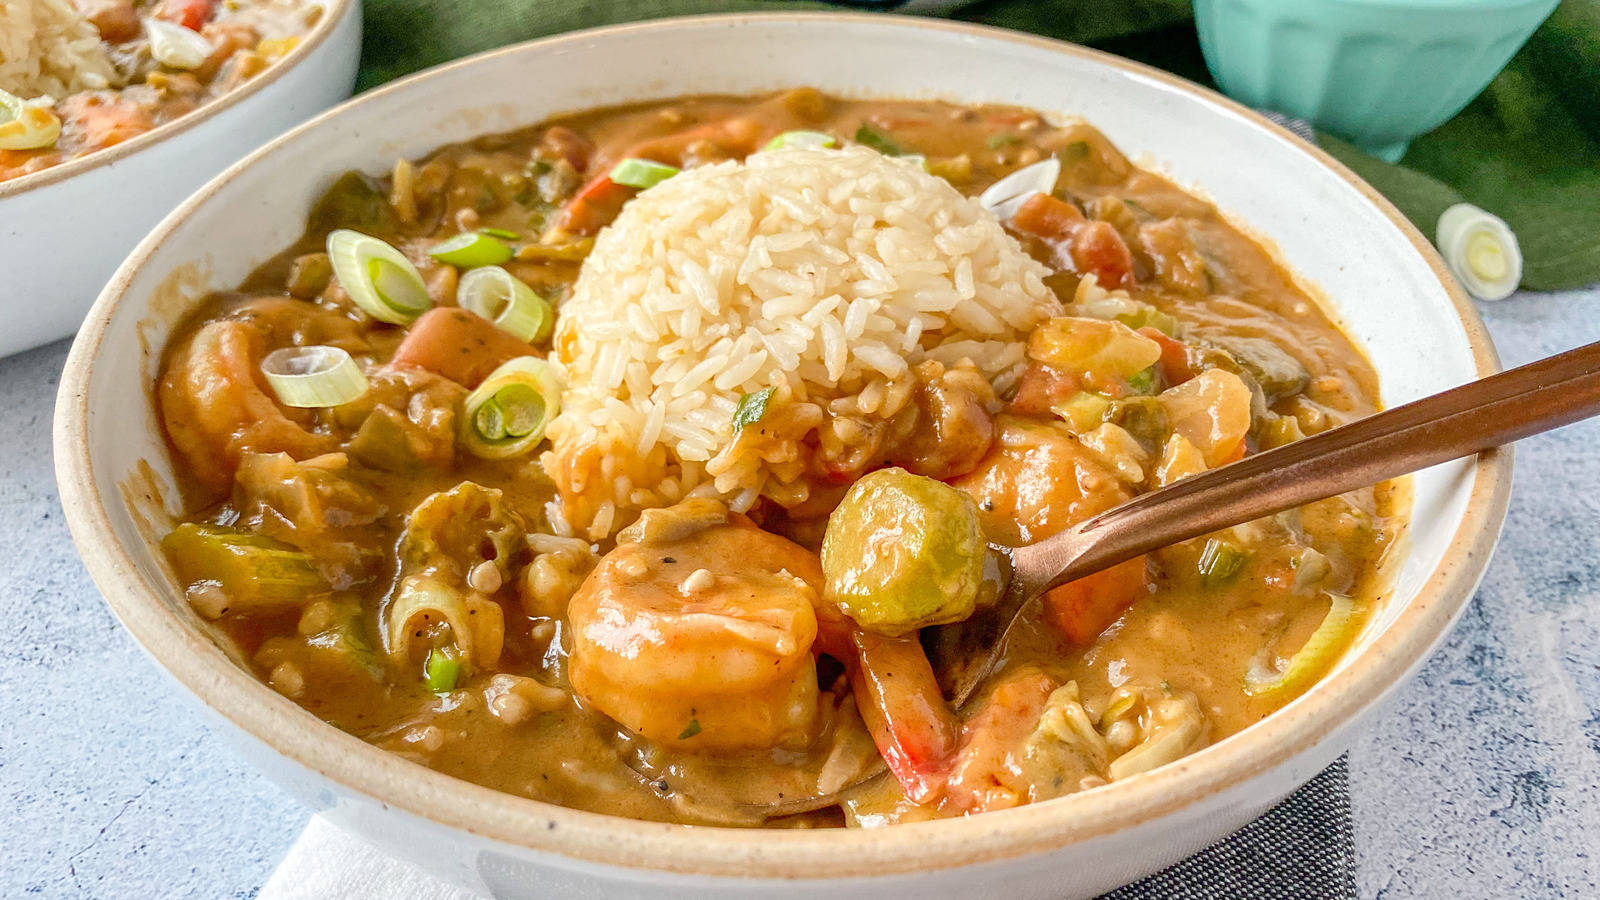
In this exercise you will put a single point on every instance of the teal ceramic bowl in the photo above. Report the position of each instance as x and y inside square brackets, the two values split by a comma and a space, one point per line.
[1375, 72]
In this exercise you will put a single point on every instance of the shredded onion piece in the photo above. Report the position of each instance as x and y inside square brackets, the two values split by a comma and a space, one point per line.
[313, 377]
[1482, 251]
[506, 415]
[1006, 196]
[1320, 652]
[502, 298]
[175, 46]
[377, 277]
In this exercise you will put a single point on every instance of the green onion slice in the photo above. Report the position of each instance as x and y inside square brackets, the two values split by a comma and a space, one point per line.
[751, 409]
[689, 730]
[1318, 655]
[503, 298]
[641, 173]
[506, 415]
[313, 377]
[811, 139]
[26, 126]
[501, 233]
[377, 277]
[1219, 562]
[471, 249]
[175, 46]
[441, 671]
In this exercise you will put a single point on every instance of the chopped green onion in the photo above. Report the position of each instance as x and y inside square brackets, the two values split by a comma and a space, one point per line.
[175, 46]
[253, 572]
[501, 233]
[1320, 652]
[869, 136]
[1083, 412]
[502, 298]
[1219, 562]
[1143, 382]
[1002, 139]
[641, 173]
[1482, 251]
[26, 126]
[377, 277]
[689, 730]
[442, 671]
[751, 409]
[471, 249]
[506, 415]
[811, 139]
[313, 377]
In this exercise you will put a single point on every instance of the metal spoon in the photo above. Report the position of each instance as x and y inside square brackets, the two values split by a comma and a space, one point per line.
[1474, 417]
[1459, 422]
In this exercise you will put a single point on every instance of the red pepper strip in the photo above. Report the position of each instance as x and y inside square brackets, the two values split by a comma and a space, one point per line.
[900, 702]
[1093, 248]
[191, 14]
[1174, 362]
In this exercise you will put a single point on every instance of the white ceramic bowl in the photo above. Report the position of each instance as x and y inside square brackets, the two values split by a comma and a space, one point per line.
[1380, 275]
[63, 230]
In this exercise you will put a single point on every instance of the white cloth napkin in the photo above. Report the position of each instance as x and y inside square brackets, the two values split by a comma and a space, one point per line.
[327, 863]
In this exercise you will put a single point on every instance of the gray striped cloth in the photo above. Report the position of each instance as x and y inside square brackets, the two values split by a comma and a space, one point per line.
[1304, 849]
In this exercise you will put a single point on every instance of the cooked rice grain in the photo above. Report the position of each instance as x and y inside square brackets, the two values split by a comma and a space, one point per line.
[824, 273]
[47, 48]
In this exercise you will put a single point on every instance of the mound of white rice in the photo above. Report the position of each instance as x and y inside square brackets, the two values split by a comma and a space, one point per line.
[826, 274]
[47, 48]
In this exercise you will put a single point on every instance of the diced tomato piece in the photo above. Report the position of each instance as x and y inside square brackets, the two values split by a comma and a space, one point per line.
[1048, 217]
[1174, 363]
[1080, 610]
[191, 14]
[1042, 386]
[1097, 249]
[461, 346]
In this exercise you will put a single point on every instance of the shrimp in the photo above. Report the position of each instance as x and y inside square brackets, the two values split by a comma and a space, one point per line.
[215, 407]
[703, 640]
[1039, 480]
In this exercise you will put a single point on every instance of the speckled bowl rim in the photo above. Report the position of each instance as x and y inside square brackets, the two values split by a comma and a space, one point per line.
[394, 782]
[333, 12]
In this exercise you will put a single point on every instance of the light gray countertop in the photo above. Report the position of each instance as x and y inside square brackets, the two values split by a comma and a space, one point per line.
[1482, 778]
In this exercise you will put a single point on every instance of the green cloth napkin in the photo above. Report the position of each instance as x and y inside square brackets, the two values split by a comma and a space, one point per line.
[1527, 149]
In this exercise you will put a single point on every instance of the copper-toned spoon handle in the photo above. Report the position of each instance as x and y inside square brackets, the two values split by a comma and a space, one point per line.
[1459, 422]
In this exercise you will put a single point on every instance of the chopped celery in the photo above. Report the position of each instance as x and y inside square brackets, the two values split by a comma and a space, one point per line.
[254, 572]
[1149, 317]
[1143, 382]
[441, 671]
[869, 136]
[1220, 561]
[1083, 412]
[1320, 652]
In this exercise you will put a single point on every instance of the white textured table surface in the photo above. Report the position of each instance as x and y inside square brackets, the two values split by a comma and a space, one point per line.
[1481, 779]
